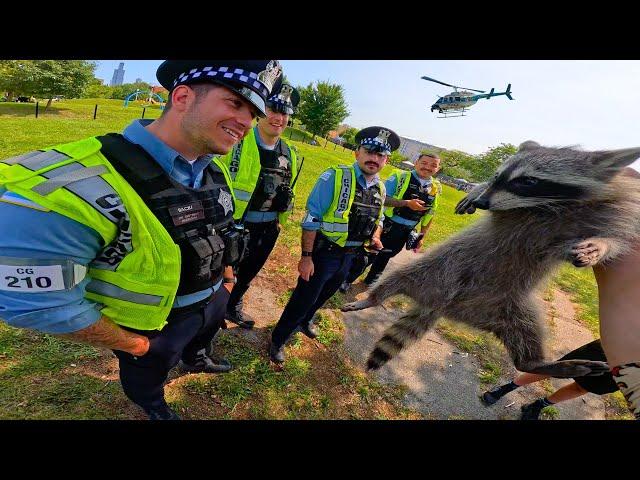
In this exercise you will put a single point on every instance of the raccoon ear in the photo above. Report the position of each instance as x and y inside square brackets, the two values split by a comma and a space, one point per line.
[616, 158]
[528, 145]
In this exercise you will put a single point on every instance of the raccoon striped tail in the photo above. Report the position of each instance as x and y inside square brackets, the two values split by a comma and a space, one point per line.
[404, 332]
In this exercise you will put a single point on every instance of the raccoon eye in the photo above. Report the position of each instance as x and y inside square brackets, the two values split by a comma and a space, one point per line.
[525, 181]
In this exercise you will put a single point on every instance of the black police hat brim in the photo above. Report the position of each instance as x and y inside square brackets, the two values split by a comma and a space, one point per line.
[169, 70]
[371, 132]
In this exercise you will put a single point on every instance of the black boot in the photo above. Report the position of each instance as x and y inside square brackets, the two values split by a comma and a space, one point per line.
[310, 330]
[204, 363]
[345, 287]
[276, 353]
[235, 315]
[532, 411]
[162, 413]
[492, 396]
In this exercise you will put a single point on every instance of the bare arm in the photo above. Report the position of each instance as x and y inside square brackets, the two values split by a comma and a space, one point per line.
[105, 333]
[413, 204]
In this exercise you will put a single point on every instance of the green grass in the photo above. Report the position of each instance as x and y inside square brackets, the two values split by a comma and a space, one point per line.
[581, 286]
[37, 381]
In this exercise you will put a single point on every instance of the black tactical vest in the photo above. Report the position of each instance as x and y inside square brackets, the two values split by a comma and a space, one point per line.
[199, 220]
[364, 212]
[273, 186]
[415, 191]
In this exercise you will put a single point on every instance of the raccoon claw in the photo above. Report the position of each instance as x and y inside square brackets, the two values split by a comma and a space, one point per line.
[465, 206]
[359, 305]
[587, 253]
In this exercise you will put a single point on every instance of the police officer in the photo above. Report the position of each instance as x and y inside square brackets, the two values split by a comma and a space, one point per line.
[125, 240]
[412, 201]
[263, 169]
[344, 212]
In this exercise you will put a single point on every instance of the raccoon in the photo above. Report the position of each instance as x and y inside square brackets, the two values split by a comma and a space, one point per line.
[545, 206]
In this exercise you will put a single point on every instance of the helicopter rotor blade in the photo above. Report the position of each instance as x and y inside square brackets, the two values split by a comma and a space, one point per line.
[438, 81]
[471, 89]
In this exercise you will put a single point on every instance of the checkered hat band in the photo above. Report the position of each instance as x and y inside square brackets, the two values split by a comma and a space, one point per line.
[375, 141]
[278, 100]
[244, 77]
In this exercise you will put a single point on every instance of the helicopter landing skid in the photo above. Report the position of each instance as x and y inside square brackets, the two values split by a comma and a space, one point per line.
[444, 115]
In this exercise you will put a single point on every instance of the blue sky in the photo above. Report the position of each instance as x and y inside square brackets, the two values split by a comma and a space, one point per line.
[594, 104]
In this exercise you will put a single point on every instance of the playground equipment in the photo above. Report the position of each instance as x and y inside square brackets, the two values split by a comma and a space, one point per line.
[148, 96]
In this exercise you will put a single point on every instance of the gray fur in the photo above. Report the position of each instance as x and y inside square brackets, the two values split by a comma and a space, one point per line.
[485, 275]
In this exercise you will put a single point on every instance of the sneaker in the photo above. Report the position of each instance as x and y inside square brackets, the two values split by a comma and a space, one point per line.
[344, 288]
[240, 319]
[532, 411]
[206, 364]
[276, 353]
[162, 413]
[492, 396]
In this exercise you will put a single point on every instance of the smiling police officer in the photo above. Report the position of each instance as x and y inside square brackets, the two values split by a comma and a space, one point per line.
[263, 169]
[412, 202]
[344, 212]
[128, 237]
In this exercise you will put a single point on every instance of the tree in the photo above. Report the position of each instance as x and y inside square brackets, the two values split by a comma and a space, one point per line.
[97, 89]
[46, 78]
[126, 89]
[493, 158]
[396, 158]
[15, 76]
[322, 107]
[349, 135]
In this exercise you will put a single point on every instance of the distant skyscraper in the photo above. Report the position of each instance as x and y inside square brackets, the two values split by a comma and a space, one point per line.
[118, 76]
[138, 80]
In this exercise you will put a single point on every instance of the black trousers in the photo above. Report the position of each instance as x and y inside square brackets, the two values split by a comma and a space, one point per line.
[394, 237]
[330, 270]
[262, 239]
[187, 335]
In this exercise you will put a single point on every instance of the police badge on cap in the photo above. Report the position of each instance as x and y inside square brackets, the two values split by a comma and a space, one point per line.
[378, 139]
[253, 79]
[284, 100]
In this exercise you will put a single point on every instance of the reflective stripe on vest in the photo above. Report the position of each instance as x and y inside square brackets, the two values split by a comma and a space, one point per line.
[244, 167]
[135, 277]
[402, 186]
[335, 222]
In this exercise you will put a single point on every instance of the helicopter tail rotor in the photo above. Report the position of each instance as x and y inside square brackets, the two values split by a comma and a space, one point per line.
[507, 92]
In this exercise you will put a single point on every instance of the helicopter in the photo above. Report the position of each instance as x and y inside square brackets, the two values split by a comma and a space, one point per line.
[457, 102]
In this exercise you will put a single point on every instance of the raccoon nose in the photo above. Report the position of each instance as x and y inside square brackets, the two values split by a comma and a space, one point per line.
[481, 202]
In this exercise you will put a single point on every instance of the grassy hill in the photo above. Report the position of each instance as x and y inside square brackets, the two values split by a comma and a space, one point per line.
[42, 376]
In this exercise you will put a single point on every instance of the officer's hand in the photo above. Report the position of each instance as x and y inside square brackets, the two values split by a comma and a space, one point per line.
[375, 245]
[305, 268]
[415, 204]
[418, 245]
[228, 286]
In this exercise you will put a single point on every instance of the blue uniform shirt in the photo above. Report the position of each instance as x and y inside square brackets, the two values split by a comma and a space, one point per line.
[68, 311]
[321, 197]
[254, 216]
[392, 183]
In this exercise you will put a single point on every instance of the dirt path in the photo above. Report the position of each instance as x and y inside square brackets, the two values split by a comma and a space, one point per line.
[442, 383]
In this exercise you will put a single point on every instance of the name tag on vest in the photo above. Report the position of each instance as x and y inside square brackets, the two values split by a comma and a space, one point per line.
[187, 213]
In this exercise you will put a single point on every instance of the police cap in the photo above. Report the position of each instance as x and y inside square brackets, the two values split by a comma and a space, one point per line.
[378, 139]
[252, 79]
[284, 100]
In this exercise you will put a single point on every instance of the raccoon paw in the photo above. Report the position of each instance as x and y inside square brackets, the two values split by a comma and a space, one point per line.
[465, 206]
[572, 368]
[588, 252]
[359, 305]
